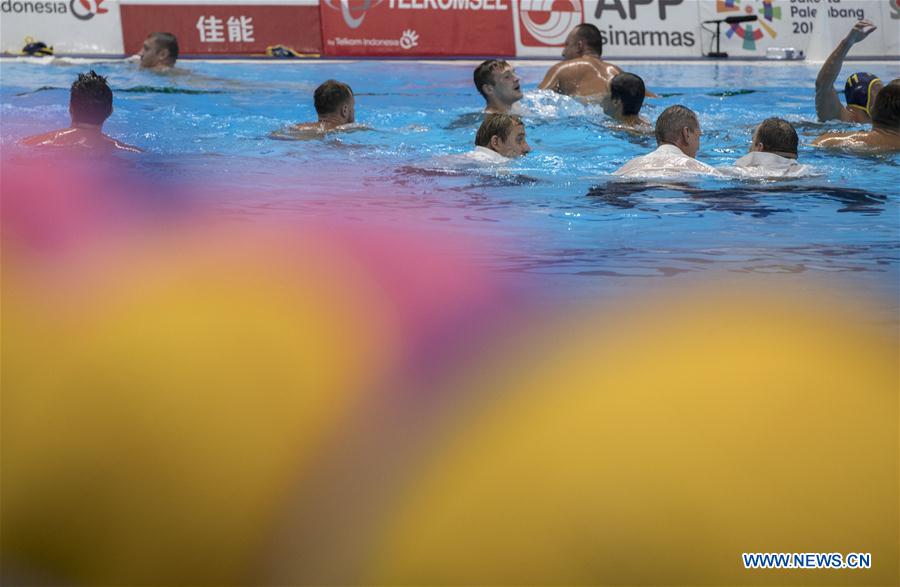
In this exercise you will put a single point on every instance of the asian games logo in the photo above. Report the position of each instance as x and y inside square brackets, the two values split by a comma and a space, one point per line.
[350, 16]
[548, 22]
[767, 14]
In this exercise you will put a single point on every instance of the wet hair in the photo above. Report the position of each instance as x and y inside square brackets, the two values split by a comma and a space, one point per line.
[330, 96]
[630, 89]
[500, 125]
[484, 73]
[777, 136]
[90, 100]
[672, 120]
[591, 36]
[167, 41]
[886, 109]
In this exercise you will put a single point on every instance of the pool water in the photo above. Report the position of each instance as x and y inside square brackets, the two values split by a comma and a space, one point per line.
[558, 225]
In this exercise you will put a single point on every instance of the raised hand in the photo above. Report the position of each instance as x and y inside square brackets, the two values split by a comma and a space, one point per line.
[860, 31]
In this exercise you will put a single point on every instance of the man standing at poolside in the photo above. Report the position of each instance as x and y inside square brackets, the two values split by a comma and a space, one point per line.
[582, 71]
[159, 52]
[860, 89]
[773, 152]
[623, 103]
[885, 134]
[498, 84]
[678, 136]
[90, 104]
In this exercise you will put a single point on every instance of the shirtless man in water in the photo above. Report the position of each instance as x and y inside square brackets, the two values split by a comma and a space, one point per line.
[159, 52]
[90, 104]
[335, 109]
[582, 72]
[885, 134]
[623, 103]
[859, 91]
[499, 85]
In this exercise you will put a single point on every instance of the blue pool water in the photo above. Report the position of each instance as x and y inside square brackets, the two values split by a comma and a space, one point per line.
[562, 229]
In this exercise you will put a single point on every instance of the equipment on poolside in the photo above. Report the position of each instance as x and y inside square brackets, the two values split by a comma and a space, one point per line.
[36, 48]
[718, 53]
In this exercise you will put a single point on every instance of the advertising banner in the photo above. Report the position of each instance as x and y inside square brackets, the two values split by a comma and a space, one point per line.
[419, 28]
[82, 27]
[630, 28]
[223, 27]
[812, 26]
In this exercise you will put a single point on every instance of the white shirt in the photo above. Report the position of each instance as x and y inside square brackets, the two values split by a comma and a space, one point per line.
[665, 161]
[486, 155]
[768, 165]
[478, 157]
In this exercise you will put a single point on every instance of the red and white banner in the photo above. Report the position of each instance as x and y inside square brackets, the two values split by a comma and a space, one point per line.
[630, 28]
[222, 27]
[417, 28]
[85, 27]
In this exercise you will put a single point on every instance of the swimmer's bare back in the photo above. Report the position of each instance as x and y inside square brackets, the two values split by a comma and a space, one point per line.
[78, 138]
[583, 76]
[313, 130]
[872, 141]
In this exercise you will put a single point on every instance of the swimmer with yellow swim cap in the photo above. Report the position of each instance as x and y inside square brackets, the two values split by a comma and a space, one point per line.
[860, 89]
[885, 134]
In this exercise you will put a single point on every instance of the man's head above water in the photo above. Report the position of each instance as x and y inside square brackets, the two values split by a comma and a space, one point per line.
[585, 39]
[679, 126]
[626, 96]
[160, 51]
[498, 84]
[90, 100]
[775, 135]
[504, 134]
[335, 103]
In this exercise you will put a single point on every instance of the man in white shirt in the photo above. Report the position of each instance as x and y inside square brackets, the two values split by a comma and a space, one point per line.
[500, 137]
[499, 140]
[678, 136]
[773, 153]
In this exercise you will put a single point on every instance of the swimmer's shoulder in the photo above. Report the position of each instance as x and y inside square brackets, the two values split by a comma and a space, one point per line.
[119, 145]
[47, 139]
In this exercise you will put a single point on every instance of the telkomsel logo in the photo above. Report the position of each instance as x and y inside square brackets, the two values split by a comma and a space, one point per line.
[895, 9]
[767, 12]
[545, 23]
[350, 14]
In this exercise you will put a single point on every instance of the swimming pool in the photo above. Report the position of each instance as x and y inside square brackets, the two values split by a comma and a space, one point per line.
[557, 226]
[274, 362]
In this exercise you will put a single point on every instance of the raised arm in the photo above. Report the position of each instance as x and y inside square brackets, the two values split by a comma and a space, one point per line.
[828, 104]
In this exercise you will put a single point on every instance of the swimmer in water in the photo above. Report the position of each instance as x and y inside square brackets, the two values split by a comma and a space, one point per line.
[335, 108]
[90, 104]
[860, 89]
[773, 152]
[582, 73]
[623, 103]
[499, 138]
[678, 136]
[885, 134]
[159, 52]
[498, 84]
